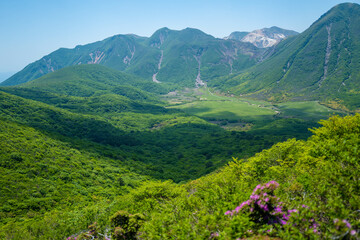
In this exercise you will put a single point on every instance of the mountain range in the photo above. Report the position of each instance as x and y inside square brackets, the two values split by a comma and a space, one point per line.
[271, 63]
[322, 63]
[186, 58]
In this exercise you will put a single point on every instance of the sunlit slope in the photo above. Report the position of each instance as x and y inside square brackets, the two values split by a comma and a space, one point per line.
[168, 56]
[319, 64]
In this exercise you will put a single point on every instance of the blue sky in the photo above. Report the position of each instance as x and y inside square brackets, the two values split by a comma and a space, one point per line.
[31, 29]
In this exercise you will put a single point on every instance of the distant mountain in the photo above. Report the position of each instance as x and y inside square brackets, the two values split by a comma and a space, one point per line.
[322, 63]
[237, 35]
[263, 38]
[117, 52]
[187, 58]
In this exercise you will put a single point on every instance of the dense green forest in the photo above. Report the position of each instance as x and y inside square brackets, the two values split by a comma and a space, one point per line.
[310, 190]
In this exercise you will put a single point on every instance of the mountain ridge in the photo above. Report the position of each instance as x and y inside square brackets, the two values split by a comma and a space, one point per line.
[140, 56]
[318, 64]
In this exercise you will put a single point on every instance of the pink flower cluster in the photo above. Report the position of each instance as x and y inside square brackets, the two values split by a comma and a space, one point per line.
[264, 206]
[344, 225]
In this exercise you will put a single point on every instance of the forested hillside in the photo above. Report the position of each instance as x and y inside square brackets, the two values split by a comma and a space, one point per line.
[303, 189]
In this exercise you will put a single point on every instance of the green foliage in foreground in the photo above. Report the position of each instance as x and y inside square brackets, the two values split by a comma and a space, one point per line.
[39, 173]
[318, 177]
[321, 173]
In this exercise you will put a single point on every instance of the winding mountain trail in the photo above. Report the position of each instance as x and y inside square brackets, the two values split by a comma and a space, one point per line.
[159, 67]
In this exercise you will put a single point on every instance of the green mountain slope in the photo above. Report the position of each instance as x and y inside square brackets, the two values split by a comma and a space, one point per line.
[167, 56]
[116, 52]
[191, 54]
[42, 160]
[41, 173]
[294, 190]
[58, 121]
[319, 64]
[85, 80]
[313, 179]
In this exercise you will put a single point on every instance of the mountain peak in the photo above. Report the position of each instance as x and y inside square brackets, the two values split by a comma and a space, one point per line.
[346, 6]
[237, 35]
[194, 32]
[263, 38]
[321, 63]
[159, 36]
[339, 12]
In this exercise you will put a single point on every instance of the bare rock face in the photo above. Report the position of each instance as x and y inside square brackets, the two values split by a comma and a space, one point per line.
[263, 38]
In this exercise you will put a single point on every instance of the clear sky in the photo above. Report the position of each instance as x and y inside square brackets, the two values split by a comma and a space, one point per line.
[30, 29]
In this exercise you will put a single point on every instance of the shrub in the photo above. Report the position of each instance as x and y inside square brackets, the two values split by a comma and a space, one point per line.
[126, 225]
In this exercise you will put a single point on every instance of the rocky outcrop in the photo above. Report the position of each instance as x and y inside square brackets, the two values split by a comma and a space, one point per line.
[262, 38]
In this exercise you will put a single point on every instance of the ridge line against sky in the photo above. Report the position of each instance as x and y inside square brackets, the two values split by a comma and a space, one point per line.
[32, 29]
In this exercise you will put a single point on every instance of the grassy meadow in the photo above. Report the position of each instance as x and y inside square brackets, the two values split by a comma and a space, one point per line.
[306, 110]
[243, 114]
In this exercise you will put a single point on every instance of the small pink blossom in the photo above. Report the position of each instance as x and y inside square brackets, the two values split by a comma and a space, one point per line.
[348, 225]
[229, 213]
[283, 222]
[278, 209]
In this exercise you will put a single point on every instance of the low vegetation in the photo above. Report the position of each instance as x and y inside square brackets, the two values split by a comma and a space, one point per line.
[303, 189]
